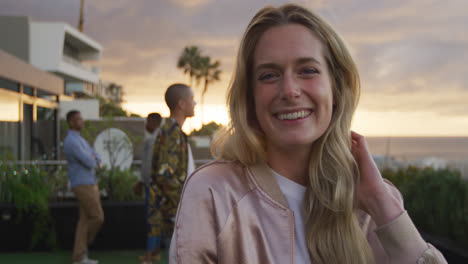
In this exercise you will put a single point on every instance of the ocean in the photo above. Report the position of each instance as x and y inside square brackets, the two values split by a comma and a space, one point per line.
[431, 151]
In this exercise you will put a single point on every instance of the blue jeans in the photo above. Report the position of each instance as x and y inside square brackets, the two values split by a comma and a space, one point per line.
[151, 241]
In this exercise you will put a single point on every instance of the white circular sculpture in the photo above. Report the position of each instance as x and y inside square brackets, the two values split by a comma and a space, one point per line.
[115, 149]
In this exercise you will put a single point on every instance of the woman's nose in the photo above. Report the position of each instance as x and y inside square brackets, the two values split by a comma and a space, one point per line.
[290, 87]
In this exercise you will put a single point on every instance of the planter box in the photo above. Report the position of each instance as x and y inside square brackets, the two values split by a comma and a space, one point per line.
[124, 227]
[15, 234]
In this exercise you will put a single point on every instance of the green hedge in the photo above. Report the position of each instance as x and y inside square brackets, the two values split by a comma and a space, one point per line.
[30, 185]
[118, 184]
[31, 188]
[436, 200]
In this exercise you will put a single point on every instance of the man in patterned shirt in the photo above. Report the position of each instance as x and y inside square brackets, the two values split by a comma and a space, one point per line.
[172, 161]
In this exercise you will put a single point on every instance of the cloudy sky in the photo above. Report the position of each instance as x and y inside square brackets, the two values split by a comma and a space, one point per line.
[412, 55]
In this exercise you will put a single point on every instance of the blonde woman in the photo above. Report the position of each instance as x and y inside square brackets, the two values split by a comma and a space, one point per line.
[292, 183]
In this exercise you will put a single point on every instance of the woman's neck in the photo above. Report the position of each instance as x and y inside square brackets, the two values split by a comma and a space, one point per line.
[292, 164]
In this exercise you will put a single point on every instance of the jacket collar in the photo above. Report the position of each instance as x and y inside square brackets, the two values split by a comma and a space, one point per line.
[267, 182]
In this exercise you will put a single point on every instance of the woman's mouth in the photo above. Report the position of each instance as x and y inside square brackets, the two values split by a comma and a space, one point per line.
[294, 115]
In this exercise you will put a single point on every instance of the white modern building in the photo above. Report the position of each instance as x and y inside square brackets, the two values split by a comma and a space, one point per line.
[29, 100]
[55, 47]
[89, 108]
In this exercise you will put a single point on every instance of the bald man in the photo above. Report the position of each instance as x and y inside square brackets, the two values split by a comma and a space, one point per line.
[172, 162]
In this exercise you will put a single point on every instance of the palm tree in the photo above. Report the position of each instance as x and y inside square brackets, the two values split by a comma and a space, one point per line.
[189, 61]
[210, 73]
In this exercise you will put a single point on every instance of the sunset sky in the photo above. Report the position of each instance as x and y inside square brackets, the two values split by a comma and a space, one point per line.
[412, 55]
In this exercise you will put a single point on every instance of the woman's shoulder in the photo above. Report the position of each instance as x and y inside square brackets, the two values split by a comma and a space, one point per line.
[219, 174]
[217, 170]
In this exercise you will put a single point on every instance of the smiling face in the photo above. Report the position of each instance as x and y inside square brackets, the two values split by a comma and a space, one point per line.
[292, 88]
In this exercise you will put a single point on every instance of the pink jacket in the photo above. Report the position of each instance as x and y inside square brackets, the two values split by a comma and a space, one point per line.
[229, 213]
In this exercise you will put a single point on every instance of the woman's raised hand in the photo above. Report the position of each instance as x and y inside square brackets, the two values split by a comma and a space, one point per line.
[372, 193]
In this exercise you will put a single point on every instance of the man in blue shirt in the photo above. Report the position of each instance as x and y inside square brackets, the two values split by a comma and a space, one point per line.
[82, 160]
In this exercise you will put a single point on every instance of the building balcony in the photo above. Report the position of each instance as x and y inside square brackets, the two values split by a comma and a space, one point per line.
[73, 70]
[60, 48]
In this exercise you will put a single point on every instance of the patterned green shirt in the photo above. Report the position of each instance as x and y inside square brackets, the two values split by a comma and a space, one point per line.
[168, 173]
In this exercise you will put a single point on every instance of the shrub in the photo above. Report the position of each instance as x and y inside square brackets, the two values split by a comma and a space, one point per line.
[31, 188]
[118, 184]
[436, 200]
[28, 189]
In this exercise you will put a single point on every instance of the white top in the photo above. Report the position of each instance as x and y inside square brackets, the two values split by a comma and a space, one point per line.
[147, 157]
[191, 162]
[294, 194]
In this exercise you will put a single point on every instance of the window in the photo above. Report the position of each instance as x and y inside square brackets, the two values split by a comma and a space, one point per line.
[9, 85]
[9, 126]
[43, 145]
[28, 90]
[46, 95]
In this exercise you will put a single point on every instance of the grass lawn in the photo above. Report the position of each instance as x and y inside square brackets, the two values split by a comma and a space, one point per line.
[64, 257]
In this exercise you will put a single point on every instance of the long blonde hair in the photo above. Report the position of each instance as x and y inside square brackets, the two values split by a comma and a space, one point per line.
[333, 233]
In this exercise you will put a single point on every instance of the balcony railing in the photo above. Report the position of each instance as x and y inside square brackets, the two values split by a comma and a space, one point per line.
[77, 63]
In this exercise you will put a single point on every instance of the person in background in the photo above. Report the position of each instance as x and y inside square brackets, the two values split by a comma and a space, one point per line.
[293, 184]
[153, 121]
[172, 162]
[82, 160]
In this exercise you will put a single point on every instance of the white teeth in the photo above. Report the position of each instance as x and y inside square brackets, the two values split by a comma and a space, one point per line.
[293, 116]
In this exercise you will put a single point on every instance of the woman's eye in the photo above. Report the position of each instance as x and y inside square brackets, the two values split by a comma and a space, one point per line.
[309, 71]
[267, 76]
